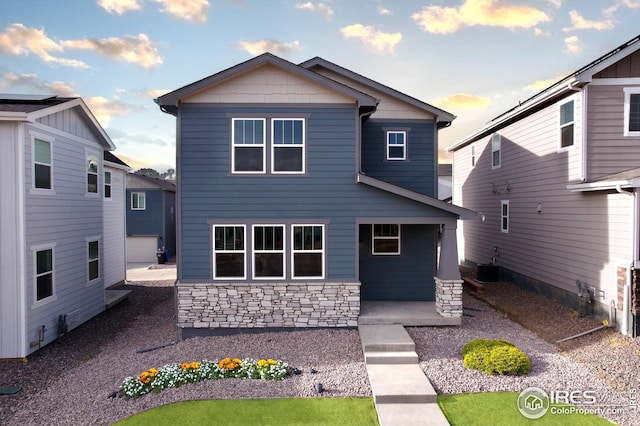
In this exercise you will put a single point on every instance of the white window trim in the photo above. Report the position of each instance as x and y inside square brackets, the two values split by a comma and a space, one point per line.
[561, 126]
[499, 150]
[303, 146]
[404, 145]
[374, 238]
[109, 184]
[628, 91]
[214, 252]
[145, 200]
[473, 155]
[87, 173]
[263, 145]
[503, 229]
[50, 140]
[294, 251]
[99, 259]
[34, 252]
[283, 251]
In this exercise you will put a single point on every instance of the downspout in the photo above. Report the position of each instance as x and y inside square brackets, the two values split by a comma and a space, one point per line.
[625, 328]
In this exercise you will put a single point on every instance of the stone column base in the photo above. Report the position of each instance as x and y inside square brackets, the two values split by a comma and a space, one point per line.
[449, 297]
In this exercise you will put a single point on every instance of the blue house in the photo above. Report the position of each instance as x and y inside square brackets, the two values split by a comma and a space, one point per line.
[151, 217]
[305, 191]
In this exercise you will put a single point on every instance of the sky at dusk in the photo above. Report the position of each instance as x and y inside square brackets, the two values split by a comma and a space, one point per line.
[472, 58]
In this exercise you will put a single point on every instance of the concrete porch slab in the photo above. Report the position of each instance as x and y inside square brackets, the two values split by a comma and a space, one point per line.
[409, 314]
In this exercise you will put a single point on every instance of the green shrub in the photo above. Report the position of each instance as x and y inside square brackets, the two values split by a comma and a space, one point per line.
[495, 357]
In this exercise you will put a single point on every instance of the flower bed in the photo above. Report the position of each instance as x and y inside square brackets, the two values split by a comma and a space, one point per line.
[174, 375]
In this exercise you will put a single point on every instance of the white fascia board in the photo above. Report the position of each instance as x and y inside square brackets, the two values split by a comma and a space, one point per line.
[13, 116]
[604, 185]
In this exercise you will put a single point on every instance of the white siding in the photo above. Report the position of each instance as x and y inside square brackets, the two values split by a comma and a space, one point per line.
[574, 236]
[114, 230]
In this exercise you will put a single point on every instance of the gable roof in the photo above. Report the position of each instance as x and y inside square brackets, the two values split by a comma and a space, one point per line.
[163, 184]
[443, 118]
[578, 78]
[169, 102]
[111, 158]
[29, 108]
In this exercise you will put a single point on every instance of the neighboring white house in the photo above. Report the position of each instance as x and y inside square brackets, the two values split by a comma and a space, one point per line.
[52, 236]
[557, 179]
[115, 171]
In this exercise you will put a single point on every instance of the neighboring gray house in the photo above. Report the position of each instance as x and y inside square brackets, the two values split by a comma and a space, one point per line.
[304, 190]
[51, 219]
[557, 178]
[151, 217]
[114, 192]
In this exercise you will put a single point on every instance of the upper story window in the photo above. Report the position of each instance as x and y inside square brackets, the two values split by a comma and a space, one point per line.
[93, 258]
[44, 282]
[92, 173]
[396, 145]
[632, 111]
[107, 184]
[386, 239]
[288, 145]
[268, 251]
[567, 126]
[473, 154]
[248, 151]
[504, 216]
[42, 164]
[138, 201]
[496, 150]
[229, 252]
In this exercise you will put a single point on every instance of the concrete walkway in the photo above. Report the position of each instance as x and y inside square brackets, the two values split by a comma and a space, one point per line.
[401, 392]
[150, 272]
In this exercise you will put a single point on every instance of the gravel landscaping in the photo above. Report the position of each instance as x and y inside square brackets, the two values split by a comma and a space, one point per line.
[69, 383]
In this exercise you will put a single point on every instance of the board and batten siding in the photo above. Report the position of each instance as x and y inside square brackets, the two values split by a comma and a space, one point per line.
[327, 193]
[114, 229]
[608, 150]
[574, 236]
[67, 218]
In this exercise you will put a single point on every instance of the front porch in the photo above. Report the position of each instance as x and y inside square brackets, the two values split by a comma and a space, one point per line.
[408, 314]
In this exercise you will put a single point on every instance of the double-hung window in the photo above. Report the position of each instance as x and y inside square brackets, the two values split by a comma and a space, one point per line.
[396, 145]
[308, 251]
[229, 255]
[504, 216]
[632, 111]
[138, 201]
[288, 145]
[496, 150]
[248, 145]
[268, 251]
[567, 121]
[93, 258]
[386, 239]
[44, 283]
[107, 184]
[473, 155]
[42, 178]
[92, 173]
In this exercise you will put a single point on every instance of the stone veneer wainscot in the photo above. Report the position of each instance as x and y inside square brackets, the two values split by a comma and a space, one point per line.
[449, 297]
[232, 305]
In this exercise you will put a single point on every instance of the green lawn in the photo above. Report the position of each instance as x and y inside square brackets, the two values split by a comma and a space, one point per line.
[278, 411]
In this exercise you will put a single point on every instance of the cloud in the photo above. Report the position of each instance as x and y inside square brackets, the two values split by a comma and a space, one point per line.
[267, 45]
[320, 8]
[153, 93]
[580, 23]
[492, 13]
[138, 50]
[119, 6]
[20, 40]
[103, 109]
[572, 44]
[382, 11]
[191, 10]
[376, 40]
[539, 85]
[462, 101]
[32, 84]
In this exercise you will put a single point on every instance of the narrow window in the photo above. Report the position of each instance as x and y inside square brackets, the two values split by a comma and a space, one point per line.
[288, 145]
[308, 251]
[473, 155]
[107, 184]
[229, 252]
[386, 239]
[396, 145]
[268, 251]
[566, 124]
[44, 273]
[504, 216]
[42, 164]
[92, 173]
[248, 145]
[138, 201]
[632, 111]
[496, 150]
[94, 260]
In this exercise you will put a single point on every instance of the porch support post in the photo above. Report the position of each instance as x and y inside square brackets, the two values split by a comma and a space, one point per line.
[447, 279]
